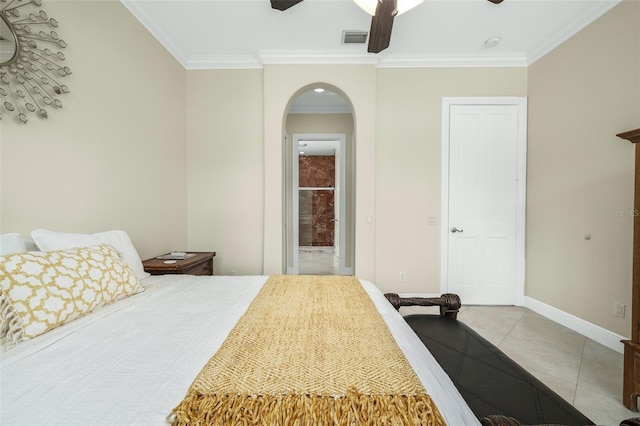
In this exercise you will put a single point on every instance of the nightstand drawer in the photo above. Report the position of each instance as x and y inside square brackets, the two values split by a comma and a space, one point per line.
[202, 268]
[200, 264]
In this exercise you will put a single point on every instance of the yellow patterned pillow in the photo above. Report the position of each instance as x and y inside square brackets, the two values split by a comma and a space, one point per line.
[42, 290]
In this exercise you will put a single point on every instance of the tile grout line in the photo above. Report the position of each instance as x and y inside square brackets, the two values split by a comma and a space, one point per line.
[609, 417]
[575, 391]
[511, 330]
[572, 402]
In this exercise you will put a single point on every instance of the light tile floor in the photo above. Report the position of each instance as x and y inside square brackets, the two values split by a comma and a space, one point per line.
[582, 371]
[317, 261]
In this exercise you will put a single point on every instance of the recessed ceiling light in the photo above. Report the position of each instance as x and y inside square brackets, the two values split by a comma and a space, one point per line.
[493, 41]
[318, 90]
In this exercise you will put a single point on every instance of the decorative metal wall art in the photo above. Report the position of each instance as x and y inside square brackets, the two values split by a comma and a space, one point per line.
[30, 60]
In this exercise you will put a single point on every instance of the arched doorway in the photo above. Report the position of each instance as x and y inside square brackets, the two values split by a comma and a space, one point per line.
[319, 183]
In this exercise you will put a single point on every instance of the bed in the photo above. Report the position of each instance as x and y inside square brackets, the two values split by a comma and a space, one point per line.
[131, 361]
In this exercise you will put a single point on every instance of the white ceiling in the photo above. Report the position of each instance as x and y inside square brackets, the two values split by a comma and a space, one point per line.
[215, 34]
[318, 103]
[209, 34]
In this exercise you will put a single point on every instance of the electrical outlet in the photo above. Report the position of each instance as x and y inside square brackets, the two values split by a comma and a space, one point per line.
[403, 276]
[618, 309]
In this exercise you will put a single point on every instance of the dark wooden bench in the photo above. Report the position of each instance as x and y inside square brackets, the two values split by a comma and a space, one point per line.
[498, 390]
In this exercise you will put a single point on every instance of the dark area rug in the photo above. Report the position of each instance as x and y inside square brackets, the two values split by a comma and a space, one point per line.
[490, 382]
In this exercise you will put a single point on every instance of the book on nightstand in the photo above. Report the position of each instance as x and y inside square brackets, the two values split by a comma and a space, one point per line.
[176, 255]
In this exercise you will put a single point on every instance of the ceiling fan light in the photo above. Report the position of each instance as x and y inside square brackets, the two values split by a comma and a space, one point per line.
[404, 5]
[368, 6]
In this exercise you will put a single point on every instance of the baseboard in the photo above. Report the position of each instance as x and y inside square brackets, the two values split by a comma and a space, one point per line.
[587, 329]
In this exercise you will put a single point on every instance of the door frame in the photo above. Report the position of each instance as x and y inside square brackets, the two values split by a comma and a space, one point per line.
[521, 185]
[341, 138]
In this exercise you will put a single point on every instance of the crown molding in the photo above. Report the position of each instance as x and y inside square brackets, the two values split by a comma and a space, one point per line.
[315, 57]
[216, 62]
[590, 13]
[142, 15]
[352, 57]
[468, 60]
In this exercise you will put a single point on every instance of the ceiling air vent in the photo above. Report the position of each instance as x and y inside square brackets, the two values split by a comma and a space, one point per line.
[354, 37]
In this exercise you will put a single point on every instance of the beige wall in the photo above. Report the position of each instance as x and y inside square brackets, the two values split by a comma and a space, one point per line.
[407, 110]
[282, 85]
[226, 170]
[408, 165]
[194, 158]
[114, 156]
[320, 123]
[235, 122]
[580, 175]
[399, 186]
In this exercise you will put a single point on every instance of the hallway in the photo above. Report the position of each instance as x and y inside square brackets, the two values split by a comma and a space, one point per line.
[317, 261]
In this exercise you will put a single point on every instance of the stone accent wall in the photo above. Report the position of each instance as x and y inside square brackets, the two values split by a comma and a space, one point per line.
[316, 209]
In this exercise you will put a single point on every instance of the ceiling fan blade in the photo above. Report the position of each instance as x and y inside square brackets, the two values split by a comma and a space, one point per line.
[496, 1]
[283, 4]
[381, 26]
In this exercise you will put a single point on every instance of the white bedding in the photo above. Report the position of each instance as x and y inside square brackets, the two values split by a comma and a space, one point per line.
[132, 362]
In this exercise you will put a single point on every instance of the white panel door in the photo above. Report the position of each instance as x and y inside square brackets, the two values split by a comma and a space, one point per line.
[482, 211]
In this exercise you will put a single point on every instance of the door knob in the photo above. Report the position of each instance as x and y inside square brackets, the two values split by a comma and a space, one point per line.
[454, 230]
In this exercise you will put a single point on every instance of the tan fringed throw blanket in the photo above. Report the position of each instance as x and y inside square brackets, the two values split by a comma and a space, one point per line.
[309, 350]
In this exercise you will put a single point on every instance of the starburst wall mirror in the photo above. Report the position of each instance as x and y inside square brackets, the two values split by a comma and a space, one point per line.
[31, 60]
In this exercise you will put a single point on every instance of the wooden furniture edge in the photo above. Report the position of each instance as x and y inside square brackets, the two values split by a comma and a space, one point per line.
[632, 136]
[629, 380]
[631, 371]
[499, 420]
[156, 266]
[449, 303]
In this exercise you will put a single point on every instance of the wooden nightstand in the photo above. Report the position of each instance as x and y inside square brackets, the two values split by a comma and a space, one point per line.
[200, 264]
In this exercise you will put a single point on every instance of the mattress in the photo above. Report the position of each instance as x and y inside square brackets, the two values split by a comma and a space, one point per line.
[132, 362]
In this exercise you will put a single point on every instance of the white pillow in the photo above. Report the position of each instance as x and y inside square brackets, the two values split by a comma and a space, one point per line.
[42, 290]
[12, 243]
[51, 240]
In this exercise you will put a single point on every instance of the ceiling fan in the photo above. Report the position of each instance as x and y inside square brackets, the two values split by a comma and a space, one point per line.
[382, 11]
